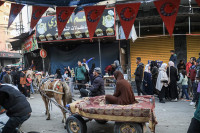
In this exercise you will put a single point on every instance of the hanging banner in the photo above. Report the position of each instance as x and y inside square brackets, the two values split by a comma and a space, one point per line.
[30, 44]
[198, 2]
[93, 15]
[37, 13]
[127, 14]
[1, 3]
[63, 14]
[76, 27]
[14, 11]
[168, 10]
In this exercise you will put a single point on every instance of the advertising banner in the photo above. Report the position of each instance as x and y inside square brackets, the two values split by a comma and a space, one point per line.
[30, 44]
[76, 27]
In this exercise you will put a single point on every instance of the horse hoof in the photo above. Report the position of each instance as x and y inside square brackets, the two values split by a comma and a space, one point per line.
[65, 127]
[62, 121]
[48, 119]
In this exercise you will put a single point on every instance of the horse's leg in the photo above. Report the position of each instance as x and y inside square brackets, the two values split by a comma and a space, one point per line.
[46, 101]
[58, 98]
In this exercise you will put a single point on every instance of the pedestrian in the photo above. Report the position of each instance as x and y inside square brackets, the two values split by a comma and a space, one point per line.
[154, 72]
[195, 122]
[147, 82]
[18, 108]
[173, 57]
[87, 79]
[198, 60]
[173, 78]
[192, 74]
[181, 66]
[86, 62]
[188, 66]
[31, 73]
[110, 69]
[7, 78]
[2, 74]
[58, 74]
[91, 73]
[80, 75]
[13, 74]
[97, 88]
[28, 85]
[184, 82]
[117, 66]
[22, 86]
[162, 82]
[139, 76]
[124, 94]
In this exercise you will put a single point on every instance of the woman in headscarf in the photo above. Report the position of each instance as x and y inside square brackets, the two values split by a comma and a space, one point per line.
[124, 94]
[58, 74]
[173, 78]
[154, 72]
[162, 82]
[147, 82]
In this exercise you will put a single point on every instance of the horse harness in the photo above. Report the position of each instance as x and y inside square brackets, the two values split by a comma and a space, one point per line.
[55, 87]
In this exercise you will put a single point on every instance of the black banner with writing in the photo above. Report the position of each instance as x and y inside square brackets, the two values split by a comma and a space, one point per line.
[76, 28]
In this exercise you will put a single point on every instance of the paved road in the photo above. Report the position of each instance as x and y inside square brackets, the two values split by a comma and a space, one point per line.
[172, 117]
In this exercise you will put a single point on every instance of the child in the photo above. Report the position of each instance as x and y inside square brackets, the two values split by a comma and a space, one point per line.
[28, 84]
[147, 82]
[184, 82]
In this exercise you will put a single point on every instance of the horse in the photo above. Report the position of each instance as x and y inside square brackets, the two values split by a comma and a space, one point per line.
[54, 88]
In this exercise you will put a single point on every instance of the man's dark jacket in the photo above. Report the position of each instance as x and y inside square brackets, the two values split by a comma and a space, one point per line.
[13, 101]
[173, 58]
[97, 88]
[139, 72]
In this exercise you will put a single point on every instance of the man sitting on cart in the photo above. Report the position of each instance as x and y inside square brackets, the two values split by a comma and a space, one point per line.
[124, 94]
[97, 88]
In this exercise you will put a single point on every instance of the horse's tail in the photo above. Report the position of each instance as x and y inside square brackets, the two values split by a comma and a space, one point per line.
[67, 93]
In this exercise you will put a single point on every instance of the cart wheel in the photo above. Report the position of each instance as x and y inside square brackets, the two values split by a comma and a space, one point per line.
[76, 124]
[101, 121]
[127, 128]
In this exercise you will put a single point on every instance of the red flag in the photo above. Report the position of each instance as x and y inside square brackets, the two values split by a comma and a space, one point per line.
[1, 3]
[198, 2]
[168, 10]
[127, 14]
[14, 11]
[37, 13]
[93, 15]
[63, 14]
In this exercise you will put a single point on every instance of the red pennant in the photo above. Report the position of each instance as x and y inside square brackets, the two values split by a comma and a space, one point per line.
[63, 14]
[14, 11]
[93, 15]
[127, 14]
[37, 13]
[1, 3]
[168, 10]
[198, 2]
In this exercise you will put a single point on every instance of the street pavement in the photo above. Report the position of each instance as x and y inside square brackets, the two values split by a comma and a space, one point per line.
[172, 117]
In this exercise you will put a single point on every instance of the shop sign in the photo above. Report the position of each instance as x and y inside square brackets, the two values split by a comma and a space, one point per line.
[9, 55]
[76, 27]
[30, 44]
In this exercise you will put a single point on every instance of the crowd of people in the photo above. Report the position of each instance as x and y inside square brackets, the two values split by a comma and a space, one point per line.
[169, 79]
[22, 78]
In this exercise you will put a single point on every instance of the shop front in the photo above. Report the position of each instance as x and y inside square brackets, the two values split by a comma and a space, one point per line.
[7, 58]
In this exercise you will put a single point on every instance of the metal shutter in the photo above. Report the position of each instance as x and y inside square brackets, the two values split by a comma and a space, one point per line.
[193, 46]
[153, 48]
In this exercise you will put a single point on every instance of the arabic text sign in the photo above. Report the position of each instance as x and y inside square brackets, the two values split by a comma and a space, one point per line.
[30, 44]
[76, 27]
